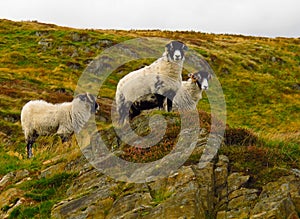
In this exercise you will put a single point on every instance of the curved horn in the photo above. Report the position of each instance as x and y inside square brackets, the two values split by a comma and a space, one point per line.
[90, 97]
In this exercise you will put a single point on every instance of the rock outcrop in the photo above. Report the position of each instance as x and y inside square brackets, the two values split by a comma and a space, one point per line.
[193, 191]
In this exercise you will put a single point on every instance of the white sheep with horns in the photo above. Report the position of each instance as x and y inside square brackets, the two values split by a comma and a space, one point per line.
[186, 97]
[162, 77]
[191, 90]
[40, 118]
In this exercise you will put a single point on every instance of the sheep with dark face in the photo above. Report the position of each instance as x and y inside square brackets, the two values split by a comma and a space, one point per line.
[191, 90]
[40, 118]
[186, 97]
[162, 78]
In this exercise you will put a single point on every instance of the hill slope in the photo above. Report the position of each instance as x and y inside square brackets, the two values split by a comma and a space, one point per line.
[259, 77]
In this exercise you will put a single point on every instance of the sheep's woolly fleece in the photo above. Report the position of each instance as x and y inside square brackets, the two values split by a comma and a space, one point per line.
[161, 77]
[40, 118]
[191, 90]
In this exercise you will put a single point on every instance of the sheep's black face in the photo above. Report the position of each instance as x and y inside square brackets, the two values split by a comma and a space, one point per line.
[90, 100]
[175, 50]
[95, 107]
[201, 78]
[94, 104]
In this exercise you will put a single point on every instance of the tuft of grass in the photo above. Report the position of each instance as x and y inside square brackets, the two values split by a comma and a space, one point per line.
[289, 151]
[160, 196]
[43, 193]
[41, 185]
[240, 136]
[10, 163]
[42, 210]
[264, 164]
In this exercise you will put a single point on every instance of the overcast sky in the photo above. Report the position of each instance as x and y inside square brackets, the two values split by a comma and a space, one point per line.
[271, 18]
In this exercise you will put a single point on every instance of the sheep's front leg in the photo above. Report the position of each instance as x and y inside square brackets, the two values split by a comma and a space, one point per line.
[170, 96]
[169, 105]
[29, 148]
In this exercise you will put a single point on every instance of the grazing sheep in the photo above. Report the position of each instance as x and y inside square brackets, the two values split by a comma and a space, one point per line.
[191, 90]
[162, 77]
[39, 118]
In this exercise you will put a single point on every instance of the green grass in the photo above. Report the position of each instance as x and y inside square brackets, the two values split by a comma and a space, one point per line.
[160, 196]
[9, 163]
[42, 210]
[257, 88]
[257, 84]
[44, 193]
[47, 188]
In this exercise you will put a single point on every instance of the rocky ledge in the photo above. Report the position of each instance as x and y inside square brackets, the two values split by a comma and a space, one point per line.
[193, 191]
[190, 192]
[204, 190]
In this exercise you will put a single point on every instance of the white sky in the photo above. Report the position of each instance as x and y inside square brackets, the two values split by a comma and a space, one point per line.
[271, 18]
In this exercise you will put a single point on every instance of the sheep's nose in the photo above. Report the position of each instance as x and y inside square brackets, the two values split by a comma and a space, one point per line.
[205, 87]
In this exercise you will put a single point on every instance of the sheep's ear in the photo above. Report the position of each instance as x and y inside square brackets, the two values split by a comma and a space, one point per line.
[196, 76]
[193, 77]
[185, 48]
[82, 97]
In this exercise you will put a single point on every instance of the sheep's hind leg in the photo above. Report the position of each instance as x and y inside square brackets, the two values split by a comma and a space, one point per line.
[160, 101]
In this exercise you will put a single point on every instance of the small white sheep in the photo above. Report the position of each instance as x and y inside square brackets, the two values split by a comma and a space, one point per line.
[39, 118]
[162, 77]
[191, 90]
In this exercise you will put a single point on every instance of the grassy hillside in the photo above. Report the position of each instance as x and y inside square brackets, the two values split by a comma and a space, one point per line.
[260, 78]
